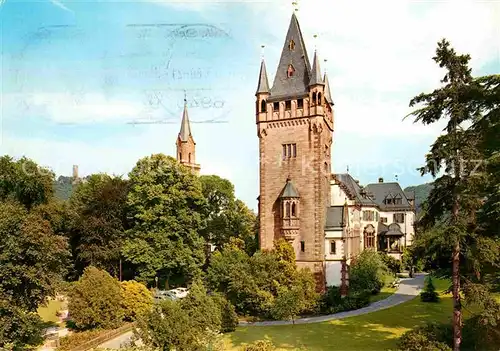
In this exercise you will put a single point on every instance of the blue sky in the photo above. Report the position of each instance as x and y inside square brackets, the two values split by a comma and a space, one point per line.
[75, 73]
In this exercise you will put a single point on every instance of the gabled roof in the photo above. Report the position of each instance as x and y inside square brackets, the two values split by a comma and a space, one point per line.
[289, 191]
[263, 86]
[328, 94]
[353, 190]
[316, 72]
[381, 191]
[297, 84]
[185, 131]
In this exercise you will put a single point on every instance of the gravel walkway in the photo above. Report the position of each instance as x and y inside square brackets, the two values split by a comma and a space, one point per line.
[408, 289]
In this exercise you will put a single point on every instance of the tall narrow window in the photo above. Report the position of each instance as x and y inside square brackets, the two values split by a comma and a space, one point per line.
[276, 107]
[294, 150]
[314, 98]
[189, 157]
[180, 156]
[284, 152]
[333, 247]
[319, 98]
[302, 246]
[288, 105]
[287, 206]
[290, 71]
[289, 150]
[294, 212]
[291, 45]
[263, 106]
[300, 103]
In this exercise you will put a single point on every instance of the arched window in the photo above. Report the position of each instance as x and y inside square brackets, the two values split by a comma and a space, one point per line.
[369, 236]
[319, 98]
[290, 71]
[263, 106]
[294, 210]
[287, 206]
[314, 98]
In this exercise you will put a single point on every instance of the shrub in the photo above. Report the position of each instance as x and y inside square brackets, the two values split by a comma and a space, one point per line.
[74, 340]
[259, 345]
[429, 293]
[136, 299]
[431, 337]
[95, 300]
[367, 272]
[332, 302]
[229, 318]
[394, 265]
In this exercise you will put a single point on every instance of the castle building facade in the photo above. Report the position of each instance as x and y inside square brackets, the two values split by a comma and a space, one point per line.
[300, 199]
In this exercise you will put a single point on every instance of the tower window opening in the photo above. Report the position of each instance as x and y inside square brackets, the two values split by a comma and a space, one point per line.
[319, 98]
[289, 150]
[294, 210]
[276, 107]
[287, 213]
[302, 246]
[263, 106]
[189, 157]
[314, 98]
[300, 103]
[180, 156]
[290, 71]
[288, 105]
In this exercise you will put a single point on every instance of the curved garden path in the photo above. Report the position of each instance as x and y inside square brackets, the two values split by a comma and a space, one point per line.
[408, 289]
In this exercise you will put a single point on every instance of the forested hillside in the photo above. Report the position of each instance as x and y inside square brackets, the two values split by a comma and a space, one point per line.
[63, 187]
[422, 191]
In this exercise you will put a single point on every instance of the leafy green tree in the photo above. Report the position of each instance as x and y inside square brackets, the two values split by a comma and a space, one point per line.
[95, 301]
[168, 211]
[99, 222]
[19, 329]
[229, 318]
[136, 299]
[190, 324]
[24, 181]
[228, 217]
[288, 304]
[32, 258]
[367, 272]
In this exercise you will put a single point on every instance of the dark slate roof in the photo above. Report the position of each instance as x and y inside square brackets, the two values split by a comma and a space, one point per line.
[316, 72]
[289, 190]
[263, 86]
[328, 94]
[354, 190]
[185, 131]
[410, 195]
[382, 228]
[382, 190]
[297, 84]
[335, 217]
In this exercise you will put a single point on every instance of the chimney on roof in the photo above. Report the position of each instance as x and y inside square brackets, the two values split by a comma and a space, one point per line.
[381, 180]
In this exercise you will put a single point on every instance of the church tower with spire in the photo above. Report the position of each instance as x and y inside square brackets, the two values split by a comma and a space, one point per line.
[295, 128]
[186, 147]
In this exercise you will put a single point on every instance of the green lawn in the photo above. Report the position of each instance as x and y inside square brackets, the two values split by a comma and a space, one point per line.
[48, 313]
[375, 331]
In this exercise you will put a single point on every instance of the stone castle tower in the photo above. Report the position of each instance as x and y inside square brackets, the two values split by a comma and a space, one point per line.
[295, 129]
[186, 147]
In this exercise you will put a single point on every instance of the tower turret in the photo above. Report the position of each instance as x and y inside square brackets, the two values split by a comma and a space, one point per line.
[186, 147]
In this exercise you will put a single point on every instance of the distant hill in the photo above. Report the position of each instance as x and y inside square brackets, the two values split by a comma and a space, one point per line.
[422, 192]
[63, 187]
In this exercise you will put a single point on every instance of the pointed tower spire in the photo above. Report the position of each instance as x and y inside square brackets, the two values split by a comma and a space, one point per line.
[316, 72]
[328, 94]
[292, 75]
[185, 131]
[263, 86]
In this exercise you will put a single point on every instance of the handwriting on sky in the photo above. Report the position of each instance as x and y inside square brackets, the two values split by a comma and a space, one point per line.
[155, 64]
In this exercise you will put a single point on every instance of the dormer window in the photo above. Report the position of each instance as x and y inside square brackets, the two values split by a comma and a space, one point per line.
[290, 71]
[291, 45]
